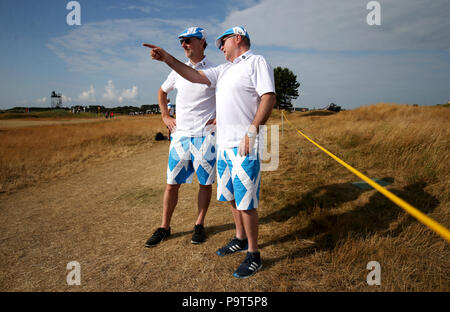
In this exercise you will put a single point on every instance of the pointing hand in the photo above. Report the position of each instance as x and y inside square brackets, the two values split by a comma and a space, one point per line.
[156, 52]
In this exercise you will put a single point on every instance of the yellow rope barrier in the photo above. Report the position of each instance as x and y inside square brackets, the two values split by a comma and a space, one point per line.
[435, 226]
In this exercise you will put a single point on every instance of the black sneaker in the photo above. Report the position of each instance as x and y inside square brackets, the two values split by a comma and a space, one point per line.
[233, 246]
[159, 235]
[199, 235]
[251, 264]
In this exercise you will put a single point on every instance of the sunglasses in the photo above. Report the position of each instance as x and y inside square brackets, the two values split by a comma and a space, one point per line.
[225, 39]
[185, 40]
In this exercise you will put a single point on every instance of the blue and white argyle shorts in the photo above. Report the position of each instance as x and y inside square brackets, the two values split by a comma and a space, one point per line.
[238, 177]
[192, 154]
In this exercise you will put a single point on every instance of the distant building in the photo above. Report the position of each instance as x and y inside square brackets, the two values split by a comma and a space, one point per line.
[333, 107]
[56, 100]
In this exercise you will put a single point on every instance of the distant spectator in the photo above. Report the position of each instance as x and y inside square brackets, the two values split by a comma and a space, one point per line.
[171, 109]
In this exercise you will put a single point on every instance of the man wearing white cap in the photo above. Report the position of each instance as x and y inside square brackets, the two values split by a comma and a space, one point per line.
[192, 147]
[245, 96]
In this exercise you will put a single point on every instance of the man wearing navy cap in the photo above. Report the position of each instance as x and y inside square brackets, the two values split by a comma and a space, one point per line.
[245, 96]
[192, 147]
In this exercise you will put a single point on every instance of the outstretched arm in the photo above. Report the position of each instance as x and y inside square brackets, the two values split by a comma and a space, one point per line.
[183, 70]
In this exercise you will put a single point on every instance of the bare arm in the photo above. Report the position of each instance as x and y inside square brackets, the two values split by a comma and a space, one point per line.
[266, 105]
[162, 102]
[183, 70]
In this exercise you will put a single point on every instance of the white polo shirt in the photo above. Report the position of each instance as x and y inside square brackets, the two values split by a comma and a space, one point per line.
[239, 87]
[196, 103]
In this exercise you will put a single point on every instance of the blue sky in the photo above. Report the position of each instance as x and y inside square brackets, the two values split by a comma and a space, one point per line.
[335, 54]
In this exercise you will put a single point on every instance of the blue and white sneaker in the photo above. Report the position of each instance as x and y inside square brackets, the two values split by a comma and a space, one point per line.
[233, 246]
[251, 264]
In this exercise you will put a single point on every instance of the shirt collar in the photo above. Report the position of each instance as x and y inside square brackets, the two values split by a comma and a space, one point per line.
[200, 64]
[243, 56]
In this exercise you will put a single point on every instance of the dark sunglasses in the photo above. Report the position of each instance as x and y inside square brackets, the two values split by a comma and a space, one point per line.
[185, 40]
[222, 41]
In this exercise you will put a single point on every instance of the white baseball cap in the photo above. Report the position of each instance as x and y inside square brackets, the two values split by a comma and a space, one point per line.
[197, 32]
[238, 30]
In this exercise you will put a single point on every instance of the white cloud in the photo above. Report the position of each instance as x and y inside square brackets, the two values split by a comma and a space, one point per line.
[144, 9]
[341, 25]
[41, 100]
[110, 92]
[114, 47]
[113, 95]
[148, 6]
[87, 96]
[129, 94]
[351, 80]
[66, 99]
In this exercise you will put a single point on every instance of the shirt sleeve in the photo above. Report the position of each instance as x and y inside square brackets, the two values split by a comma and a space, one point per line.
[262, 76]
[169, 84]
[213, 74]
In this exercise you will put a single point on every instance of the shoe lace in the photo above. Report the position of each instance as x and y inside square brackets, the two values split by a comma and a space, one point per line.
[233, 241]
[248, 259]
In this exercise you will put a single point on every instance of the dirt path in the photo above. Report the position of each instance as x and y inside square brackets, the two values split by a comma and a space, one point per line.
[102, 218]
[22, 123]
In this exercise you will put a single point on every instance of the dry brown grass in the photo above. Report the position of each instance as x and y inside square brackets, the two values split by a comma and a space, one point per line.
[317, 230]
[32, 154]
[331, 229]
